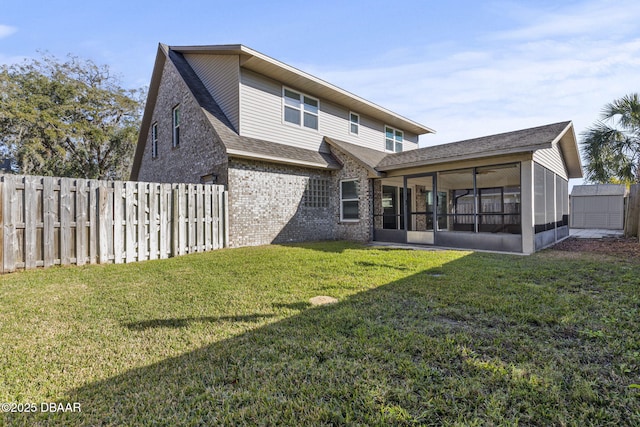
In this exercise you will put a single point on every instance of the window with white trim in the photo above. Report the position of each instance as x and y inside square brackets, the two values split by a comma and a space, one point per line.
[300, 109]
[393, 139]
[176, 125]
[154, 140]
[349, 201]
[354, 123]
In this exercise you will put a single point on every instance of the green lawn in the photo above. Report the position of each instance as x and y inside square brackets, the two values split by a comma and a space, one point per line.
[417, 338]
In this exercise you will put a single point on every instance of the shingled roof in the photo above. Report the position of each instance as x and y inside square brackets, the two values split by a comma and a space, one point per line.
[525, 140]
[376, 162]
[520, 141]
[234, 144]
[367, 157]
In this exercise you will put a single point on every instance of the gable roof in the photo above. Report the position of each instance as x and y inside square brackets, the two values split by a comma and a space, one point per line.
[272, 68]
[367, 157]
[520, 141]
[234, 144]
[376, 162]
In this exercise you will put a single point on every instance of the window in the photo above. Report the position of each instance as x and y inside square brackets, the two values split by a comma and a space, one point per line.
[154, 140]
[176, 126]
[354, 123]
[300, 109]
[349, 209]
[393, 139]
[316, 195]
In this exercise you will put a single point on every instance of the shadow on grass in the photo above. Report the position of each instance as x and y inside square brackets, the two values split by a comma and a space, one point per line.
[380, 357]
[293, 306]
[185, 322]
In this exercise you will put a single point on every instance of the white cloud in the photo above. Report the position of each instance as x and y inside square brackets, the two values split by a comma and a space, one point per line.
[6, 31]
[603, 18]
[548, 74]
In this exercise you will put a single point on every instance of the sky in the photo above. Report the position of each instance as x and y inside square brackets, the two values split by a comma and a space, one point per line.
[463, 68]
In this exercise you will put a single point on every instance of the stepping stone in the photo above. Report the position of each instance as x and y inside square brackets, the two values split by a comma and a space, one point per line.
[322, 300]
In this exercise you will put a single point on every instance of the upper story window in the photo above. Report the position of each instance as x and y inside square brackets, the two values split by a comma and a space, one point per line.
[393, 139]
[154, 140]
[354, 124]
[300, 109]
[176, 125]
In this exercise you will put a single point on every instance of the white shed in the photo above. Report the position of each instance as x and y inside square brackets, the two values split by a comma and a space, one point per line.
[598, 206]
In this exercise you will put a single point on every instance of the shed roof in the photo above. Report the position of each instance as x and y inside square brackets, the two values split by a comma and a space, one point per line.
[599, 190]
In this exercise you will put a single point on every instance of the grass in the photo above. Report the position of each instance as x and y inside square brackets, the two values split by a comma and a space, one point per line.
[417, 338]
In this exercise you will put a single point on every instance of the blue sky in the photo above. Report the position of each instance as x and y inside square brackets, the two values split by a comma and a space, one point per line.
[463, 68]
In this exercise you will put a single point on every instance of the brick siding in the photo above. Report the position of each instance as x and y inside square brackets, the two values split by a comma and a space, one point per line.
[200, 152]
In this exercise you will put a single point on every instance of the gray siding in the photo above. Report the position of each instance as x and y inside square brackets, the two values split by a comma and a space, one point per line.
[261, 117]
[606, 212]
[552, 159]
[220, 74]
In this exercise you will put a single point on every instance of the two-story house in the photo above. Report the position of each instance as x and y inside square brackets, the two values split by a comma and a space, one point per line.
[305, 160]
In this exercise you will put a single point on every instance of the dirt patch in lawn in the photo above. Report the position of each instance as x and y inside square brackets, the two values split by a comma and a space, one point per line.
[627, 249]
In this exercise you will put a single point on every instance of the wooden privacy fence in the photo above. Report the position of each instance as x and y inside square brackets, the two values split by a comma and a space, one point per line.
[49, 221]
[632, 212]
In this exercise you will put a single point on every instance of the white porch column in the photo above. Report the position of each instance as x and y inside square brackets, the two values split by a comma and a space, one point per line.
[527, 208]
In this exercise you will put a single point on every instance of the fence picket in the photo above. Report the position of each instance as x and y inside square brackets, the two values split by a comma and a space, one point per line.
[80, 219]
[103, 224]
[207, 217]
[165, 214]
[118, 220]
[131, 221]
[30, 217]
[92, 218]
[141, 214]
[153, 221]
[65, 221]
[8, 205]
[49, 215]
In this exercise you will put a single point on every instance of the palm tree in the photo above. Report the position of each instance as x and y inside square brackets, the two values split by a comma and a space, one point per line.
[611, 146]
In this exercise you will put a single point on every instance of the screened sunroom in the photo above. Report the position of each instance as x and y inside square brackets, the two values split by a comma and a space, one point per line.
[473, 195]
[477, 207]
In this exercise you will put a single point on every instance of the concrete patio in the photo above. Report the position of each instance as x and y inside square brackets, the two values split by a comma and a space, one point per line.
[584, 233]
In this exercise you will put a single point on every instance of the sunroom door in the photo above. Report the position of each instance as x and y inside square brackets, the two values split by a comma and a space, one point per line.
[420, 209]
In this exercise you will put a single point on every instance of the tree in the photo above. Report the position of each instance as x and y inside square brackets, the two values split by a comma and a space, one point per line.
[612, 145]
[68, 118]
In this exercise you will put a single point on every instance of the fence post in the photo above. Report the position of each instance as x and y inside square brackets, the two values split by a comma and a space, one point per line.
[632, 217]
